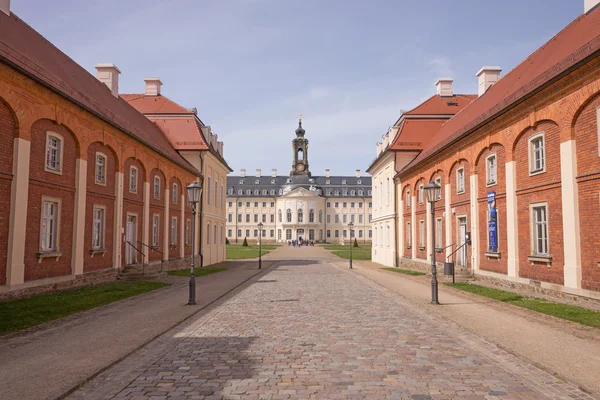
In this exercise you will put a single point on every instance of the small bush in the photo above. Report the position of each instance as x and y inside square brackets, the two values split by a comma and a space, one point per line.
[245, 244]
[226, 241]
[355, 243]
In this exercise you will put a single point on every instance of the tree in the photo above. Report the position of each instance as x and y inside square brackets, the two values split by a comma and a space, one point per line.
[245, 244]
[226, 241]
[355, 243]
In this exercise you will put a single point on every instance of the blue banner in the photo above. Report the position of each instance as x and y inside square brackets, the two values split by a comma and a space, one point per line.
[492, 222]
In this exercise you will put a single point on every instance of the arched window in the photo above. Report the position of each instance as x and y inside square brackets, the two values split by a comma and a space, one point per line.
[311, 215]
[289, 215]
[280, 216]
[300, 154]
[300, 216]
[320, 216]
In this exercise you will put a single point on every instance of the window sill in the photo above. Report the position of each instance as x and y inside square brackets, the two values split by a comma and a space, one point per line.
[492, 254]
[408, 247]
[540, 258]
[537, 172]
[173, 246]
[439, 250]
[94, 252]
[488, 184]
[53, 171]
[461, 192]
[49, 254]
[421, 247]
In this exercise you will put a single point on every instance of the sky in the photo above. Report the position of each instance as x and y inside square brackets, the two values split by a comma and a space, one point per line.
[251, 66]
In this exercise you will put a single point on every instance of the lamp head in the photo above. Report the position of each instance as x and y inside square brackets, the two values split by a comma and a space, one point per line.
[194, 191]
[433, 192]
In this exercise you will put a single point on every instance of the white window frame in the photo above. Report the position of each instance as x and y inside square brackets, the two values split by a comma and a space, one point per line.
[439, 233]
[100, 171]
[421, 233]
[60, 149]
[438, 182]
[487, 218]
[188, 232]
[133, 171]
[460, 180]
[156, 187]
[208, 186]
[533, 169]
[43, 246]
[175, 192]
[155, 230]
[488, 181]
[408, 198]
[421, 194]
[534, 231]
[408, 235]
[98, 232]
[173, 231]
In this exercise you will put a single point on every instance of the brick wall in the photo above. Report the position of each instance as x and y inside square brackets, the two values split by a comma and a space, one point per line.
[133, 203]
[406, 251]
[8, 127]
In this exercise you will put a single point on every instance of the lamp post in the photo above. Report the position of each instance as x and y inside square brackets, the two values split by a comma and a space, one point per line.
[260, 227]
[433, 192]
[194, 190]
[350, 226]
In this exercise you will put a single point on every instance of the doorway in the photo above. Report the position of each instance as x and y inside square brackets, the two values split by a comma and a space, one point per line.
[462, 238]
[300, 234]
[131, 237]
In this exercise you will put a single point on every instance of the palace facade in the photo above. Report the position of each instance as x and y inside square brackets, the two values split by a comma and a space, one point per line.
[519, 168]
[299, 206]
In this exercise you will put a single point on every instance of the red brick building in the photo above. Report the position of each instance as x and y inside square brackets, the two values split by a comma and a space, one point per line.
[520, 170]
[88, 183]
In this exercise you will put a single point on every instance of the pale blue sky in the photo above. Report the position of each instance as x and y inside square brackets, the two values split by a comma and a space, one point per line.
[250, 66]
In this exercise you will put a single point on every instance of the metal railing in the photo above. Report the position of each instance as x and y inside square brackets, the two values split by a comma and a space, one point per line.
[139, 251]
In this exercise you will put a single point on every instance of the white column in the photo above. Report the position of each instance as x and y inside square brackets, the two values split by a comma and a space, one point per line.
[448, 210]
[512, 232]
[15, 272]
[570, 215]
[147, 227]
[182, 227]
[474, 223]
[413, 226]
[429, 244]
[400, 229]
[167, 228]
[79, 217]
[118, 224]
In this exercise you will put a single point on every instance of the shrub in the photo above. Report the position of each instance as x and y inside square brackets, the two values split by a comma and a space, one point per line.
[355, 243]
[245, 244]
[226, 241]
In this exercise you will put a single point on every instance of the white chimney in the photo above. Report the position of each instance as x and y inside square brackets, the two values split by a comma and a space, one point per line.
[5, 6]
[486, 77]
[220, 148]
[327, 173]
[243, 173]
[358, 173]
[153, 86]
[258, 173]
[109, 75]
[444, 87]
[589, 5]
[273, 173]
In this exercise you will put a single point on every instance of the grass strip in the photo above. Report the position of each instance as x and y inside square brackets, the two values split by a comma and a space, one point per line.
[197, 271]
[405, 271]
[565, 311]
[362, 252]
[237, 251]
[20, 314]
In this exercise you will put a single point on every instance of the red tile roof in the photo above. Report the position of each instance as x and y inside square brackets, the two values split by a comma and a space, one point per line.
[415, 134]
[182, 131]
[438, 105]
[26, 50]
[155, 104]
[579, 40]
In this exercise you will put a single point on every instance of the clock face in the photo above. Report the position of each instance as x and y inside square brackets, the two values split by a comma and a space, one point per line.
[299, 167]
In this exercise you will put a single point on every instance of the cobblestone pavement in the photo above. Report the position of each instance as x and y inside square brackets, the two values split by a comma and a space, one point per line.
[309, 330]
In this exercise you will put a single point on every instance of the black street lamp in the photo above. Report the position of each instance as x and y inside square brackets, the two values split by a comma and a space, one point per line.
[350, 226]
[194, 190]
[433, 192]
[260, 227]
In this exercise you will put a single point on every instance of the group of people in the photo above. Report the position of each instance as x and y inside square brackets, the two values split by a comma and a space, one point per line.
[300, 242]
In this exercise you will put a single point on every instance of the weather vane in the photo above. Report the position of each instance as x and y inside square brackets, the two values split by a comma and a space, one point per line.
[300, 117]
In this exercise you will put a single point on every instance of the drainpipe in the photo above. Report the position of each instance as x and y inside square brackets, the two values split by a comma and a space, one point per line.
[201, 264]
[236, 218]
[396, 223]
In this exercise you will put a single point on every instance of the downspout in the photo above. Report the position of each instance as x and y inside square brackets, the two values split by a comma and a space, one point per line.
[236, 218]
[201, 264]
[396, 226]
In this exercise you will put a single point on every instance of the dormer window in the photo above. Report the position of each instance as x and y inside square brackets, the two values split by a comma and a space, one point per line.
[248, 192]
[289, 180]
[343, 181]
[240, 192]
[257, 181]
[327, 182]
[359, 182]
[241, 181]
[272, 181]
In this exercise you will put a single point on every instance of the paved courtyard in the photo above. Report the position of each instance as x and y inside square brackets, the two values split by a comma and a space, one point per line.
[308, 329]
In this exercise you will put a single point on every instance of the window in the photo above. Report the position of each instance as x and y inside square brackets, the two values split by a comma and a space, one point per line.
[100, 169]
[328, 192]
[156, 187]
[370, 205]
[208, 188]
[264, 218]
[328, 218]
[272, 218]
[358, 182]
[360, 218]
[337, 219]
[272, 192]
[54, 147]
[408, 199]
[352, 218]
[327, 182]
[344, 218]
[256, 192]
[289, 215]
[421, 194]
[133, 178]
[247, 232]
[247, 204]
[255, 218]
[387, 236]
[175, 193]
[288, 234]
[352, 193]
[256, 204]
[336, 192]
[216, 194]
[188, 232]
[278, 234]
[370, 233]
[408, 235]
[540, 229]
[98, 228]
[328, 233]
[229, 217]
[207, 233]
[368, 193]
[537, 157]
[360, 192]
[239, 218]
[215, 234]
[173, 231]
[343, 181]
[240, 192]
[344, 204]
[438, 233]
[388, 192]
[360, 233]
[311, 215]
[247, 218]
[230, 192]
[279, 213]
[352, 205]
[311, 234]
[155, 230]
[337, 233]
[491, 170]
[239, 233]
[360, 205]
[257, 181]
[264, 203]
[320, 216]
[421, 233]
[438, 181]
[336, 204]
[272, 204]
[300, 216]
[49, 225]
[344, 234]
[370, 218]
[460, 180]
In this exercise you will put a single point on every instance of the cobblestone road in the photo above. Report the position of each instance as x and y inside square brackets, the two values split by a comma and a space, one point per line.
[311, 330]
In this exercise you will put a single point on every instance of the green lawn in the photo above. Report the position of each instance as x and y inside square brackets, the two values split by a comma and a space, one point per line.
[362, 252]
[237, 251]
[197, 271]
[25, 313]
[405, 271]
[564, 311]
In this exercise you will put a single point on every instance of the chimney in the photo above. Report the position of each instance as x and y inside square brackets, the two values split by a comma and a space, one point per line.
[327, 173]
[258, 173]
[109, 75]
[444, 87]
[487, 76]
[358, 173]
[5, 6]
[152, 86]
[273, 173]
[243, 173]
[589, 5]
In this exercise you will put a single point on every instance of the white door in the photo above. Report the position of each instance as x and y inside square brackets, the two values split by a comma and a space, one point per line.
[130, 253]
[462, 238]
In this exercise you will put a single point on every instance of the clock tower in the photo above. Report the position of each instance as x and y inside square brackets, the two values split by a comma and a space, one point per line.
[300, 146]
